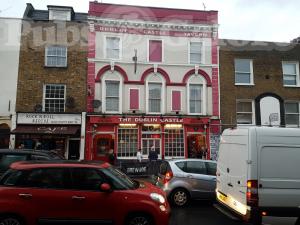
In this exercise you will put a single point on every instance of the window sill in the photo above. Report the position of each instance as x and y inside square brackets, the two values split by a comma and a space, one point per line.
[239, 84]
[61, 67]
[291, 86]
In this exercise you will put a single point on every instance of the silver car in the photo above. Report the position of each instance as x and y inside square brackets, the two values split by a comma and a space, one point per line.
[186, 179]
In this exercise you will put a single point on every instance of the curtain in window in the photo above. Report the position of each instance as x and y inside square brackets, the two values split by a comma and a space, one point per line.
[195, 98]
[112, 96]
[155, 97]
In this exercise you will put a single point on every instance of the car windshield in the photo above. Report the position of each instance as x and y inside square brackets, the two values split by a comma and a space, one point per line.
[120, 180]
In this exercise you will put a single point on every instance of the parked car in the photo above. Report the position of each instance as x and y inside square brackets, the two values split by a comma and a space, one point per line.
[186, 179]
[68, 192]
[8, 156]
[258, 172]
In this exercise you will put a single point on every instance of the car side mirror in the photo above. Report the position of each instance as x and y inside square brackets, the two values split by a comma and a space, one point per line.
[105, 187]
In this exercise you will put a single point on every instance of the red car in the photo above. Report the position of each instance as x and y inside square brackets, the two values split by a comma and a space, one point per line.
[78, 193]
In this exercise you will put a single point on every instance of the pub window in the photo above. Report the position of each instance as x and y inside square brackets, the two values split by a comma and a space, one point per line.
[127, 142]
[174, 143]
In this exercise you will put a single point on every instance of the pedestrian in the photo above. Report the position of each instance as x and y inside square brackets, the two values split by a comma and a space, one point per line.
[139, 155]
[152, 154]
[152, 159]
[21, 146]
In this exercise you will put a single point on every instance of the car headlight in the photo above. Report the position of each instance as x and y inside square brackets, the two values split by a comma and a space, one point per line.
[158, 198]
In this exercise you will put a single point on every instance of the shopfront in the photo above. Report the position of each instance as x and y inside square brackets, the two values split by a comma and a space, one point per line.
[54, 132]
[171, 137]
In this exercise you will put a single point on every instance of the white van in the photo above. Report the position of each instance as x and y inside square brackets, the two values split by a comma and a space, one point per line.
[258, 172]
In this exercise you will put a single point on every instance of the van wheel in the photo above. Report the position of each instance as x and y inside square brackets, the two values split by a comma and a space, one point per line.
[10, 220]
[180, 197]
[138, 219]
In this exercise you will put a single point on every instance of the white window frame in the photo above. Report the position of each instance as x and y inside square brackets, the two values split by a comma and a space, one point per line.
[292, 125]
[44, 96]
[253, 111]
[163, 91]
[202, 61]
[203, 84]
[105, 46]
[162, 50]
[104, 96]
[251, 73]
[129, 109]
[297, 73]
[46, 56]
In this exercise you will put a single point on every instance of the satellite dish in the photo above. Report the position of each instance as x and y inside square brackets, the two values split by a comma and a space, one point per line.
[70, 102]
[38, 108]
[96, 103]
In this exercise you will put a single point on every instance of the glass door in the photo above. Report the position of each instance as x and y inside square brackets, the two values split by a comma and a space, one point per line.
[147, 143]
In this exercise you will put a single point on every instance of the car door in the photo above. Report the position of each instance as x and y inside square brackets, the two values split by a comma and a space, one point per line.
[202, 183]
[90, 205]
[45, 190]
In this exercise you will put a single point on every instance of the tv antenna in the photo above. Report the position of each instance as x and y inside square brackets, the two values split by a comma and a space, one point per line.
[204, 6]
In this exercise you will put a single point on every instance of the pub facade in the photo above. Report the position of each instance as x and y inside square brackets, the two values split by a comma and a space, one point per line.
[152, 81]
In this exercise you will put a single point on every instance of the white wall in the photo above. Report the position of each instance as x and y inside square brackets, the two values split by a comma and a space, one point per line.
[10, 32]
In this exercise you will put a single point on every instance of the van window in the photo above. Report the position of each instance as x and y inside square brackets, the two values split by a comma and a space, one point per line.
[197, 167]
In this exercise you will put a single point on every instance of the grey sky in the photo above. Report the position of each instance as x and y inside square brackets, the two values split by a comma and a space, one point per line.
[263, 20]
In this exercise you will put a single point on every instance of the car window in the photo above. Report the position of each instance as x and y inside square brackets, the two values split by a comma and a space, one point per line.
[211, 168]
[7, 159]
[181, 165]
[53, 178]
[197, 167]
[11, 178]
[86, 179]
[119, 180]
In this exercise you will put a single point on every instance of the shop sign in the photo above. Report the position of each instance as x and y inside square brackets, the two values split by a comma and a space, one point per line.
[150, 120]
[40, 118]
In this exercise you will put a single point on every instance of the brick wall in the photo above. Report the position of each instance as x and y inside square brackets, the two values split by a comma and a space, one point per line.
[32, 72]
[267, 69]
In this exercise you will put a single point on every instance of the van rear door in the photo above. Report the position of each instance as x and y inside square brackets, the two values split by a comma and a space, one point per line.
[279, 176]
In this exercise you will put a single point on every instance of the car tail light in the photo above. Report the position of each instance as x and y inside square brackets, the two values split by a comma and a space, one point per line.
[168, 177]
[252, 193]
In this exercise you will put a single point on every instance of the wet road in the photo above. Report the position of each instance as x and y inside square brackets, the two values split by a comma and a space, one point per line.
[204, 213]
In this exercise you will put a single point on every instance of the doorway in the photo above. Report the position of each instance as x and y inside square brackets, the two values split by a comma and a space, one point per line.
[147, 143]
[74, 149]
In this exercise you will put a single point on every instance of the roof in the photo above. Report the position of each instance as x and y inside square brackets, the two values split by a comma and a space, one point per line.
[247, 45]
[43, 15]
[125, 12]
[23, 165]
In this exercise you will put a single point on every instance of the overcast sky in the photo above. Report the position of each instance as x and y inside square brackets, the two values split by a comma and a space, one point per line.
[262, 20]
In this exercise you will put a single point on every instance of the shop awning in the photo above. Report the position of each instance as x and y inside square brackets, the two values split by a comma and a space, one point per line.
[66, 130]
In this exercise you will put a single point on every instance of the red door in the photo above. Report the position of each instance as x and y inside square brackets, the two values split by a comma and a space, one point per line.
[103, 143]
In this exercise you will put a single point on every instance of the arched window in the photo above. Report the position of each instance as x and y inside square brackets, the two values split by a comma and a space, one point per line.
[196, 95]
[155, 94]
[111, 83]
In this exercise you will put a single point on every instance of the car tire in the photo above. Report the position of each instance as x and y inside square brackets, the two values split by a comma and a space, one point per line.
[139, 219]
[180, 197]
[10, 220]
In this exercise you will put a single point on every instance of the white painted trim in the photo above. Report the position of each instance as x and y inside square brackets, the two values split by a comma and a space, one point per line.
[253, 111]
[151, 64]
[202, 61]
[105, 46]
[251, 74]
[162, 50]
[138, 99]
[204, 99]
[163, 95]
[103, 87]
[297, 73]
[151, 24]
[172, 110]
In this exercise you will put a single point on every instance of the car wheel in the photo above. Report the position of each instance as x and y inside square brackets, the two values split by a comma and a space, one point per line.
[180, 197]
[138, 219]
[9, 220]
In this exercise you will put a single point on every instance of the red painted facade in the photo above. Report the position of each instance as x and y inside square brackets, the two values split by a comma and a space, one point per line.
[107, 131]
